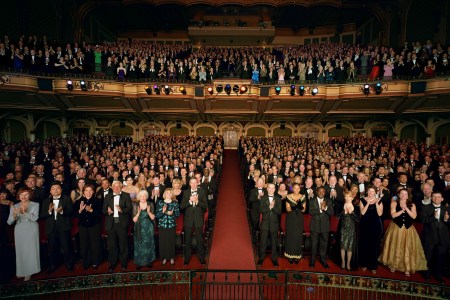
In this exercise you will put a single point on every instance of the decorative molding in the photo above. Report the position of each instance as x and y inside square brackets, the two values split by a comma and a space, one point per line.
[5, 79]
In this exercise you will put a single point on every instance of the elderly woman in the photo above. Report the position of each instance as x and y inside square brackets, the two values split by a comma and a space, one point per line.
[26, 234]
[144, 229]
[166, 212]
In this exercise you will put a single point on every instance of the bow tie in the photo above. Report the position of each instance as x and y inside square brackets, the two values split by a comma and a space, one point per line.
[55, 199]
[436, 207]
[116, 195]
[105, 191]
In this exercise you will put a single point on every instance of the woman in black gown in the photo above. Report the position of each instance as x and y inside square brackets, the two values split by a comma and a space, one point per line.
[347, 231]
[295, 207]
[371, 230]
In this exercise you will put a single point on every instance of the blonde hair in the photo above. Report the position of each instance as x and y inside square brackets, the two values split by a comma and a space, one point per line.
[142, 192]
[166, 192]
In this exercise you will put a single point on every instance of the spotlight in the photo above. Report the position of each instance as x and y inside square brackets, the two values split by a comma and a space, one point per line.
[183, 90]
[236, 88]
[210, 90]
[292, 91]
[277, 90]
[228, 89]
[156, 89]
[301, 90]
[166, 89]
[148, 90]
[366, 89]
[314, 91]
[378, 88]
[83, 85]
[69, 85]
[243, 89]
[219, 88]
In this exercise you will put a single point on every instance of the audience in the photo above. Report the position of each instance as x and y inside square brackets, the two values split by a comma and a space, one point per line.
[137, 59]
[370, 172]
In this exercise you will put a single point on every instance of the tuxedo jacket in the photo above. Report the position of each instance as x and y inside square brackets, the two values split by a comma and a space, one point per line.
[125, 205]
[320, 221]
[253, 201]
[339, 200]
[150, 188]
[434, 231]
[100, 195]
[270, 217]
[193, 215]
[63, 220]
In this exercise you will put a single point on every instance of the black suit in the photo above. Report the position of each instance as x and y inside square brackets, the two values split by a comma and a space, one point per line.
[320, 227]
[253, 203]
[435, 238]
[193, 217]
[58, 230]
[116, 227]
[338, 201]
[155, 198]
[270, 223]
[38, 195]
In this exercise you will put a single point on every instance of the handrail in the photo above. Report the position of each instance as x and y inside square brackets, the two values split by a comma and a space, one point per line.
[202, 284]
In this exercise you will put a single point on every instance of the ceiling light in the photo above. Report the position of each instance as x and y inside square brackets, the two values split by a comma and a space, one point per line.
[83, 85]
[378, 88]
[210, 90]
[243, 89]
[314, 91]
[277, 90]
[301, 90]
[69, 85]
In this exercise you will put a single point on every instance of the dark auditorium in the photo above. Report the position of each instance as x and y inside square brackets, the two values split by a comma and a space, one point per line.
[233, 150]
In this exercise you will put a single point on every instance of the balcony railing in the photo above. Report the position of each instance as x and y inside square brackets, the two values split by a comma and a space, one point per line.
[221, 284]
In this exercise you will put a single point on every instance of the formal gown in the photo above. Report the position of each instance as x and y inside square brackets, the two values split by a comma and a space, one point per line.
[402, 248]
[26, 235]
[144, 239]
[347, 231]
[294, 230]
[370, 234]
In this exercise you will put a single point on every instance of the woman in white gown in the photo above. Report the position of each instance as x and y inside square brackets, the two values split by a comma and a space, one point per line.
[26, 234]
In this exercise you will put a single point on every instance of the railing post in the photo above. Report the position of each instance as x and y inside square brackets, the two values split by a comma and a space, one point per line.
[190, 284]
[286, 285]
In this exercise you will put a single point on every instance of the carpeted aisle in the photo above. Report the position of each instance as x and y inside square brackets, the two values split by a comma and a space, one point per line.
[231, 246]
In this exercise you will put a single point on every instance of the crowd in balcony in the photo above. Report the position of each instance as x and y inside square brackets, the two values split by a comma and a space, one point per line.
[84, 188]
[373, 194]
[134, 60]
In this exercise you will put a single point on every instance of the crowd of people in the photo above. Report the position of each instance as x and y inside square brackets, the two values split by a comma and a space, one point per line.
[102, 184]
[365, 184]
[135, 60]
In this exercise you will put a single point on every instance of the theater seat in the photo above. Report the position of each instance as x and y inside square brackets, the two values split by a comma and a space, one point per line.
[282, 236]
[306, 233]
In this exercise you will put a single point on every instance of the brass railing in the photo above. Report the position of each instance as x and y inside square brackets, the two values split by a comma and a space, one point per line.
[221, 284]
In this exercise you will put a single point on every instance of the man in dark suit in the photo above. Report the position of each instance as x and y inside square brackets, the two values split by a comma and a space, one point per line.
[270, 208]
[320, 209]
[38, 193]
[56, 210]
[402, 183]
[156, 190]
[194, 205]
[362, 184]
[103, 190]
[335, 193]
[435, 238]
[253, 203]
[117, 208]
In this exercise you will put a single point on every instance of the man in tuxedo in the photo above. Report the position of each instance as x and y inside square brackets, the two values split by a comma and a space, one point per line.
[270, 208]
[194, 205]
[56, 211]
[209, 185]
[348, 178]
[103, 190]
[320, 209]
[362, 184]
[38, 193]
[336, 193]
[402, 183]
[253, 202]
[117, 208]
[156, 190]
[435, 236]
[308, 191]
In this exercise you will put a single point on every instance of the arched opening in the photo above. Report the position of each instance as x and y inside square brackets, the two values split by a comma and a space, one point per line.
[12, 130]
[413, 132]
[343, 131]
[205, 131]
[380, 131]
[282, 132]
[256, 131]
[47, 129]
[179, 131]
[122, 130]
[443, 134]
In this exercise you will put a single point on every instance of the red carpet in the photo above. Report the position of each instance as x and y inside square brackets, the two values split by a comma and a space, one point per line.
[231, 246]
